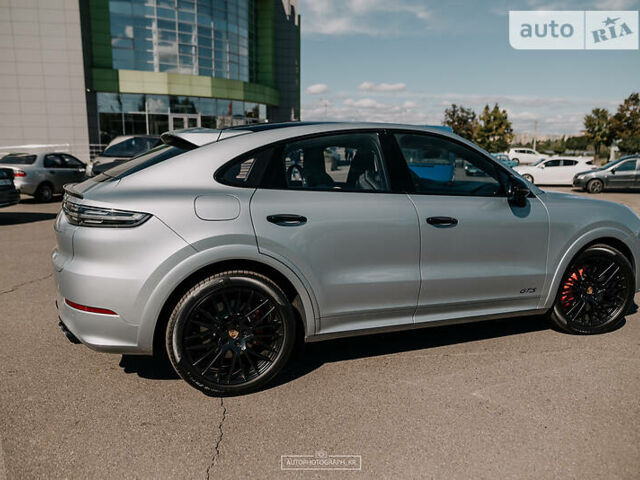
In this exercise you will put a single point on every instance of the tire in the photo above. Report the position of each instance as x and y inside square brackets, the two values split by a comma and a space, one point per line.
[517, 160]
[528, 177]
[595, 293]
[222, 342]
[595, 186]
[44, 193]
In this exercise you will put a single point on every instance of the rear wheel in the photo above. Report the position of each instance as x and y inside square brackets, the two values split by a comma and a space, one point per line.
[595, 186]
[44, 193]
[596, 292]
[231, 333]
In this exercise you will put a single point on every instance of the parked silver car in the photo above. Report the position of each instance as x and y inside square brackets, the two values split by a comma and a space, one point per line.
[42, 175]
[622, 174]
[219, 246]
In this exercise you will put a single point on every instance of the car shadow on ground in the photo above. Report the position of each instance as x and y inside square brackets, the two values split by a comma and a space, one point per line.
[17, 218]
[311, 356]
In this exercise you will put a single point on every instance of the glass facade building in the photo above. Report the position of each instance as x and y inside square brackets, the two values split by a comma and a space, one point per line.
[157, 65]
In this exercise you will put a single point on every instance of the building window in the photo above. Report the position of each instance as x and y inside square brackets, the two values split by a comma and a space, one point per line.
[140, 114]
[198, 37]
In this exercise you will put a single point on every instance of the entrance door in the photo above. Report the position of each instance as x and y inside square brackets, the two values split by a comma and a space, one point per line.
[177, 122]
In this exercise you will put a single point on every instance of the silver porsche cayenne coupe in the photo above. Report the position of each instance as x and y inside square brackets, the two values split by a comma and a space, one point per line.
[221, 247]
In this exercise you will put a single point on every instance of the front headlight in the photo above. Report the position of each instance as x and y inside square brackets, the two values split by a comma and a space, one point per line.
[87, 216]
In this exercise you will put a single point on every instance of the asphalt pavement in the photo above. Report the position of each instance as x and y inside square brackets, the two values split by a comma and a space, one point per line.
[504, 399]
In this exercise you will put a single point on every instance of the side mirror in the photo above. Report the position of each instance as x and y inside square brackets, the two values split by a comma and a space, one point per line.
[541, 165]
[613, 170]
[517, 193]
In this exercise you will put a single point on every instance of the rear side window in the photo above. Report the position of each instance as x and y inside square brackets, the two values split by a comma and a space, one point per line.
[18, 159]
[245, 171]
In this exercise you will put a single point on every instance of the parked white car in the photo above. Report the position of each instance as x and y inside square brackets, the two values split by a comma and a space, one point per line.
[556, 170]
[526, 156]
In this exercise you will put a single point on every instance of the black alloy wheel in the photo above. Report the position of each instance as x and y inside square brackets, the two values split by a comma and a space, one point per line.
[596, 292]
[231, 333]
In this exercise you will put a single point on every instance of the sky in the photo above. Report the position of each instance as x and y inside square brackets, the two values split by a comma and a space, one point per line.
[407, 60]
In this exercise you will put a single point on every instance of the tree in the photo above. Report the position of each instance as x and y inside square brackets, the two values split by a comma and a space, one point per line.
[577, 143]
[625, 124]
[494, 132]
[597, 129]
[461, 120]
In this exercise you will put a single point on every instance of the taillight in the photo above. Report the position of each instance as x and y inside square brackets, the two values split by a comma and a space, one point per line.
[84, 308]
[19, 173]
[87, 216]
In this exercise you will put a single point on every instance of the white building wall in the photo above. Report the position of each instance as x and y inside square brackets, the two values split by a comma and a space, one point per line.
[42, 91]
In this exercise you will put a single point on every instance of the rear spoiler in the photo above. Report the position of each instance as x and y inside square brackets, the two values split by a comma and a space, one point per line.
[192, 138]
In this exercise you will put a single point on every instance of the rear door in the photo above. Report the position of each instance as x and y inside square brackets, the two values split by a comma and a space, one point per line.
[326, 211]
[56, 171]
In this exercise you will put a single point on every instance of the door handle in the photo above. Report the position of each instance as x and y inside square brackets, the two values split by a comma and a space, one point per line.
[442, 221]
[287, 219]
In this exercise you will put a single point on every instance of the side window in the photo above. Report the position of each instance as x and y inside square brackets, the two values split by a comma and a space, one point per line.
[442, 167]
[245, 171]
[53, 161]
[552, 163]
[342, 162]
[626, 166]
[569, 163]
[72, 162]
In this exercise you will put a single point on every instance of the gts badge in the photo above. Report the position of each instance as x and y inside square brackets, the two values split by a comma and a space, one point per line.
[528, 290]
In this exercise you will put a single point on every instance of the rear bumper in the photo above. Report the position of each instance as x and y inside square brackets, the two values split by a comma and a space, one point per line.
[104, 333]
[9, 197]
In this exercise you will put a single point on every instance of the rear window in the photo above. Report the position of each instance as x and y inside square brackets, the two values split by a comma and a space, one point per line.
[131, 147]
[152, 157]
[18, 159]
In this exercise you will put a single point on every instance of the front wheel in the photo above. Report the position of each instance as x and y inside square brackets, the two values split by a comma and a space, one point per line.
[231, 333]
[595, 186]
[528, 177]
[596, 292]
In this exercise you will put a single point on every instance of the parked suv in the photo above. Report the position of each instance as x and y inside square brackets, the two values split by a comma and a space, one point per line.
[43, 175]
[219, 247]
[122, 149]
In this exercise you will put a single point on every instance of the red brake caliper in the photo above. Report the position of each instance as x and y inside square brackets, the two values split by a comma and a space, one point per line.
[568, 295]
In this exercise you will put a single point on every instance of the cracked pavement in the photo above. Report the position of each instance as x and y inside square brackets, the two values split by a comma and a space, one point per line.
[492, 400]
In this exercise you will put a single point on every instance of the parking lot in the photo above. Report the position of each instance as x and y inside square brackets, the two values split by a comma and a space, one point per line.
[501, 399]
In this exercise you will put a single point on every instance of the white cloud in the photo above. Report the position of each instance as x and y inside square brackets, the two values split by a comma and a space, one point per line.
[382, 87]
[317, 89]
[364, 17]
[363, 103]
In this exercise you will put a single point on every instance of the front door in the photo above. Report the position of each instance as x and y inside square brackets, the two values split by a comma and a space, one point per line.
[179, 121]
[328, 213]
[622, 175]
[480, 255]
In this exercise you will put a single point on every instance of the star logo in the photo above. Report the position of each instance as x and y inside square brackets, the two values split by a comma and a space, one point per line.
[610, 21]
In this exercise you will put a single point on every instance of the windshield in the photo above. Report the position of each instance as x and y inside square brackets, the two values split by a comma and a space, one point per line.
[539, 161]
[152, 157]
[131, 147]
[18, 159]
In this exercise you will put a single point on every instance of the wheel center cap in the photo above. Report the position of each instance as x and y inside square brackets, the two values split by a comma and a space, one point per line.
[590, 290]
[233, 333]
